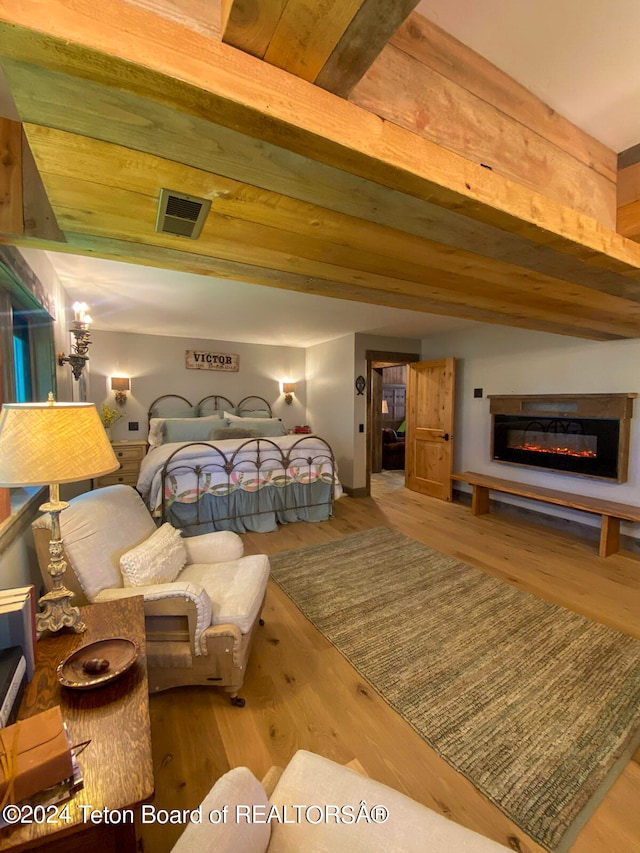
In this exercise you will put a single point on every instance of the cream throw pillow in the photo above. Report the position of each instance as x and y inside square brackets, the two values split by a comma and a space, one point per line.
[158, 559]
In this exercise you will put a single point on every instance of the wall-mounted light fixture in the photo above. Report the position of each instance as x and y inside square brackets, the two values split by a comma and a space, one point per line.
[80, 331]
[120, 384]
[288, 389]
[385, 407]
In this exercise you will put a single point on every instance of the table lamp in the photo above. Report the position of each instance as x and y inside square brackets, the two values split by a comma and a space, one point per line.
[48, 444]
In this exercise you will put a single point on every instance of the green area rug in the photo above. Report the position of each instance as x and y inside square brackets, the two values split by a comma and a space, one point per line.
[537, 706]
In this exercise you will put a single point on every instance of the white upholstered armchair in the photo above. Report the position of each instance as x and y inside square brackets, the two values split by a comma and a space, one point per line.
[202, 596]
[315, 806]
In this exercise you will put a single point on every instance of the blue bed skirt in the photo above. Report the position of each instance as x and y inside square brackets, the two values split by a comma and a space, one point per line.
[257, 512]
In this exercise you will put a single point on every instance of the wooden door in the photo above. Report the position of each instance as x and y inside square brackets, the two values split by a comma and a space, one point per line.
[429, 442]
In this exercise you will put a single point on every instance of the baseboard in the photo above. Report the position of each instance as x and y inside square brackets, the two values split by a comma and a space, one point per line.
[360, 492]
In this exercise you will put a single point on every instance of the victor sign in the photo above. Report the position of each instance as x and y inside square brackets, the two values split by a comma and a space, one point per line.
[197, 360]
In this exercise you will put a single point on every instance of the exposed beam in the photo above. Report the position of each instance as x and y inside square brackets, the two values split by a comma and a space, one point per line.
[181, 260]
[331, 43]
[249, 25]
[201, 77]
[11, 221]
[629, 156]
[628, 219]
[307, 33]
[39, 218]
[117, 199]
[436, 49]
[112, 115]
[367, 34]
[309, 192]
[429, 83]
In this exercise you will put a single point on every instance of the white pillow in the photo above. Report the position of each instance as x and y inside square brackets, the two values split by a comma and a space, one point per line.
[159, 559]
[155, 437]
[231, 417]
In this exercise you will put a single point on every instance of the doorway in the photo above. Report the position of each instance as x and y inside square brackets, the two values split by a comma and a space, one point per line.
[386, 411]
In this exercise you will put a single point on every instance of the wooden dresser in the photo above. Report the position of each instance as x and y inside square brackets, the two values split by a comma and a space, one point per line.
[130, 454]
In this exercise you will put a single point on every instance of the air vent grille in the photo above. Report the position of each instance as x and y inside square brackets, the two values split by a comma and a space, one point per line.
[181, 214]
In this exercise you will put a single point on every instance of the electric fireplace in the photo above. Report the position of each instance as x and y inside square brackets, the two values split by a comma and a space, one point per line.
[583, 435]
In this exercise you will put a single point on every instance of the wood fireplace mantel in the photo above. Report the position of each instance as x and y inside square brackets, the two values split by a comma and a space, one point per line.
[618, 406]
[593, 408]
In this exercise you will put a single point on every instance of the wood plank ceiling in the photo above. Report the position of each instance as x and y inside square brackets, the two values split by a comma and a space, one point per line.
[309, 191]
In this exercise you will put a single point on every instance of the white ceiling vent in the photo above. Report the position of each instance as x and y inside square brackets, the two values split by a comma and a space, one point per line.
[181, 214]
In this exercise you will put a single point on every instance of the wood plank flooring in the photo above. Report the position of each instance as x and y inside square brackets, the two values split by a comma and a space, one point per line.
[301, 693]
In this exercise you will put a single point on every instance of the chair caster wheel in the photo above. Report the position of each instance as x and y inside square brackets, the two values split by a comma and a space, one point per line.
[238, 701]
[261, 622]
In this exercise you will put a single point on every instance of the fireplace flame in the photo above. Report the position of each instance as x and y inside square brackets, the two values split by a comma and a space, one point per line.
[562, 451]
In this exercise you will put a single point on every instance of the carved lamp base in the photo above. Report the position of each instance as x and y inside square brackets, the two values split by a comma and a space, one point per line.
[58, 612]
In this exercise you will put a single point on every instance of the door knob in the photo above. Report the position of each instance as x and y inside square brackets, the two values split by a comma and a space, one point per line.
[446, 436]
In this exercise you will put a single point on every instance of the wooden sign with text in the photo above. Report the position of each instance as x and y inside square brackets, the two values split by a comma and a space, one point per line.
[197, 360]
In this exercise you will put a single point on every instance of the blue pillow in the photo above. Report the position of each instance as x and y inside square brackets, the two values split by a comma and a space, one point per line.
[189, 429]
[174, 409]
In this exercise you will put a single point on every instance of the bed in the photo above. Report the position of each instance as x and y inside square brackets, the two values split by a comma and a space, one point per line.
[216, 465]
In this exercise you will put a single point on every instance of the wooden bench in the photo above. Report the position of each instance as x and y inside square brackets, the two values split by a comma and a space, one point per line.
[612, 513]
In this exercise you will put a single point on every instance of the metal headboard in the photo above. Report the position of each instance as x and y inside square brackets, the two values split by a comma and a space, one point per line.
[213, 403]
[153, 413]
[208, 405]
[241, 407]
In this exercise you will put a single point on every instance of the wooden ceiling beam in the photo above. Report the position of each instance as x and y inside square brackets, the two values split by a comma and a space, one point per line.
[126, 47]
[298, 36]
[249, 25]
[364, 39]
[129, 120]
[454, 61]
[11, 207]
[331, 43]
[181, 260]
[334, 237]
[431, 84]
[628, 214]
[99, 188]
[307, 33]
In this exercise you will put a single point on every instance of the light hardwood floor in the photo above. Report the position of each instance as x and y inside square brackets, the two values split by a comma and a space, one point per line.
[301, 693]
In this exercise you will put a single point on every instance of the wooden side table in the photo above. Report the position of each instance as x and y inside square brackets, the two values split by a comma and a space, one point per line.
[116, 765]
[130, 454]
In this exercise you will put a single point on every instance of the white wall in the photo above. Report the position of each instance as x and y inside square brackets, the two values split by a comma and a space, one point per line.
[331, 392]
[156, 366]
[513, 361]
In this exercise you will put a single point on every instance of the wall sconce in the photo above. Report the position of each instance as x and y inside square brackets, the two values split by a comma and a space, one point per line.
[120, 384]
[80, 331]
[385, 407]
[288, 389]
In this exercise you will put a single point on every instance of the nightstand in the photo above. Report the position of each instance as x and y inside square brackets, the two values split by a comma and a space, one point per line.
[114, 719]
[130, 454]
